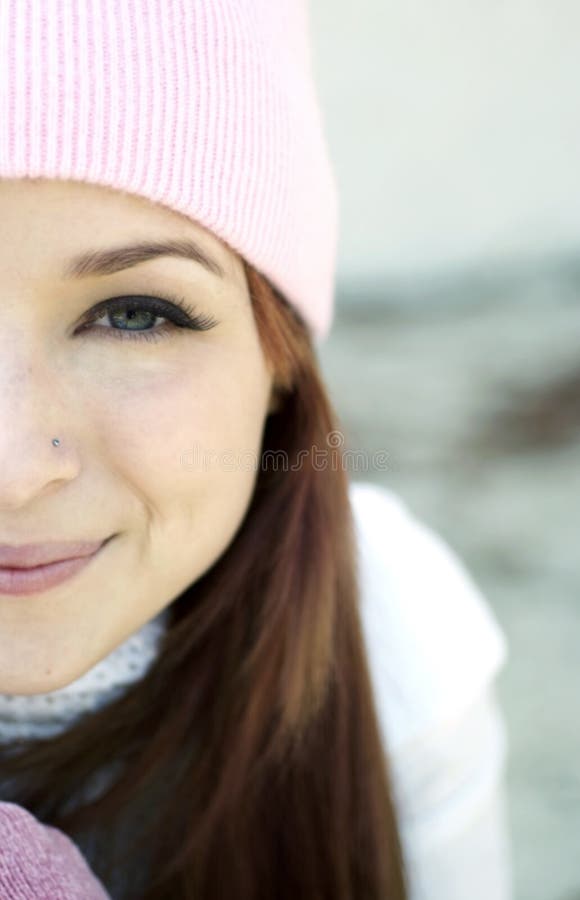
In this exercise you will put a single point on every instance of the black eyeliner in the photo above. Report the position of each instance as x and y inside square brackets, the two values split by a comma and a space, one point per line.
[177, 310]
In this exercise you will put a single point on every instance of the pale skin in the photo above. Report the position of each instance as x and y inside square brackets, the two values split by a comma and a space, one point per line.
[128, 413]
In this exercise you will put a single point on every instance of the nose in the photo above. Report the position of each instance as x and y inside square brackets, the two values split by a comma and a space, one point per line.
[30, 417]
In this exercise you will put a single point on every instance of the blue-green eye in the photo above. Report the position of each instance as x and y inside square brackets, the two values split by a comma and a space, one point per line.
[135, 317]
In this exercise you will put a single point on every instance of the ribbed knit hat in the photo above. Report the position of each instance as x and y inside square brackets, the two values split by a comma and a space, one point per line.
[208, 107]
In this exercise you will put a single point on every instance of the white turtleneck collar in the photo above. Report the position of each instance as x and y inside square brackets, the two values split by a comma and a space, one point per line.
[44, 715]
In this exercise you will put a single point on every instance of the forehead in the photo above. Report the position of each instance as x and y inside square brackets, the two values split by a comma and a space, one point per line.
[45, 221]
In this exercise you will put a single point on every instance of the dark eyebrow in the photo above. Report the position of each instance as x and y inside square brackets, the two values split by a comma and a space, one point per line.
[107, 262]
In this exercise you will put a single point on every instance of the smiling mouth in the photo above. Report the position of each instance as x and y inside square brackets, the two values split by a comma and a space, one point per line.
[40, 554]
[19, 580]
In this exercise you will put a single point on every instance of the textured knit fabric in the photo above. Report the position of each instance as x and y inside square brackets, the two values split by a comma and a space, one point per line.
[205, 106]
[38, 862]
[434, 650]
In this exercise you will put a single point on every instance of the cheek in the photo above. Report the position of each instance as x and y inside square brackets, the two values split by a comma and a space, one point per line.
[184, 446]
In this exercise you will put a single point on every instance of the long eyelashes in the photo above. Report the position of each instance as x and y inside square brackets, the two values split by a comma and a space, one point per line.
[176, 310]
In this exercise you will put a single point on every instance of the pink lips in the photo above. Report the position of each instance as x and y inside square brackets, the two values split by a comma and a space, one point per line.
[30, 568]
[26, 555]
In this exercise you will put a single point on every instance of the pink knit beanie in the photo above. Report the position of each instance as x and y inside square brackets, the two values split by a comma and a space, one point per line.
[206, 106]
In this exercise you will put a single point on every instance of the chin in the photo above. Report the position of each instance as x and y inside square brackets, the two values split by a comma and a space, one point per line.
[14, 682]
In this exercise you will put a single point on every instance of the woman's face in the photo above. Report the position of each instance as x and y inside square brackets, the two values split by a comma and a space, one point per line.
[159, 439]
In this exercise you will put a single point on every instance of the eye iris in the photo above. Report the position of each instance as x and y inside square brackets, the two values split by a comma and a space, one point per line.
[134, 315]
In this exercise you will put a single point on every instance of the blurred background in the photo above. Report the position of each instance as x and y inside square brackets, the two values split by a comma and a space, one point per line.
[454, 130]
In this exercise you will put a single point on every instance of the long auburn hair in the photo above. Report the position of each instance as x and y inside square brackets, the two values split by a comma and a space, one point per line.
[247, 762]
